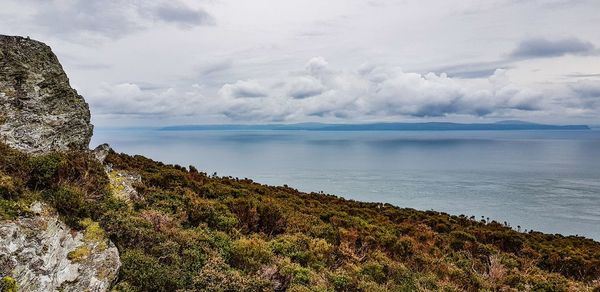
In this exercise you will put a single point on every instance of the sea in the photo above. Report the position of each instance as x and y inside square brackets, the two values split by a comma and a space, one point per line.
[542, 180]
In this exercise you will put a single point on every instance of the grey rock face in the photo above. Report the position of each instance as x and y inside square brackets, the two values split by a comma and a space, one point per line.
[43, 254]
[101, 152]
[39, 111]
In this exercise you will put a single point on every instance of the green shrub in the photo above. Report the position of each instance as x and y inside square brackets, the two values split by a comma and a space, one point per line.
[553, 284]
[14, 163]
[460, 238]
[217, 276]
[123, 286]
[10, 187]
[214, 214]
[404, 247]
[249, 254]
[270, 218]
[297, 274]
[341, 282]
[375, 271]
[44, 170]
[69, 201]
[10, 209]
[147, 273]
[427, 282]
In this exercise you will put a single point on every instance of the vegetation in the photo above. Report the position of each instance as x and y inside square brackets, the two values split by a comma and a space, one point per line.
[8, 284]
[189, 231]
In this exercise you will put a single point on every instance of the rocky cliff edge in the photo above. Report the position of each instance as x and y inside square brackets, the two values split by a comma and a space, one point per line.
[39, 111]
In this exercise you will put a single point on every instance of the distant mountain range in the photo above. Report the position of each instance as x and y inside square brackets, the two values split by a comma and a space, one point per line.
[430, 126]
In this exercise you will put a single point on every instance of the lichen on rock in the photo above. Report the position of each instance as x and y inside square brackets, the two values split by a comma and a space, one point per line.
[39, 111]
[122, 184]
[43, 254]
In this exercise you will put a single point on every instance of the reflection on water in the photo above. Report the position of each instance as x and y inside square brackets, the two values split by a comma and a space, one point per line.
[541, 180]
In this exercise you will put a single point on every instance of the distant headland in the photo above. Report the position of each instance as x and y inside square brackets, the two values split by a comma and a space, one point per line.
[510, 125]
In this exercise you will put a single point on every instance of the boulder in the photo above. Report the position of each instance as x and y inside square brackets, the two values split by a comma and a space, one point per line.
[41, 253]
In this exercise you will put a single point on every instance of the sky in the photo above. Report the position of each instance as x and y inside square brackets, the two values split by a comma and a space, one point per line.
[168, 62]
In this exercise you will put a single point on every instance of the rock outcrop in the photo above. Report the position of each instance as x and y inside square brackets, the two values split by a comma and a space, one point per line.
[122, 183]
[39, 111]
[43, 254]
[101, 152]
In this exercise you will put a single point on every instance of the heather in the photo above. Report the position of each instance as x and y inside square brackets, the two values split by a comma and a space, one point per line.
[190, 231]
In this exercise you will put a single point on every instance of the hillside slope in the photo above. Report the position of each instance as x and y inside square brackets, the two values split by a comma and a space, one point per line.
[181, 229]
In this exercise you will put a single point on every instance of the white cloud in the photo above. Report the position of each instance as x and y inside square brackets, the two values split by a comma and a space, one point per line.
[243, 88]
[142, 58]
[130, 99]
[369, 93]
[317, 65]
[304, 86]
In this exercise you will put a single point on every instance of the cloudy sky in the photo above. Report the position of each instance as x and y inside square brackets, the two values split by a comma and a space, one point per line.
[165, 62]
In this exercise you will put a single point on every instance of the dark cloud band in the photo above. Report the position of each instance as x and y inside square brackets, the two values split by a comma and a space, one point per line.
[542, 48]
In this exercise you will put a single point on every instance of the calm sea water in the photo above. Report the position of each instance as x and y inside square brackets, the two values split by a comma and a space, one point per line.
[541, 180]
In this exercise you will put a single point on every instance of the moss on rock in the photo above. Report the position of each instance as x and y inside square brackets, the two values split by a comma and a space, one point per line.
[8, 284]
[79, 254]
